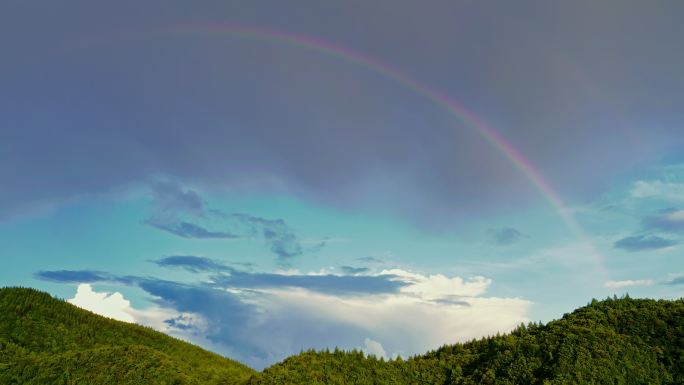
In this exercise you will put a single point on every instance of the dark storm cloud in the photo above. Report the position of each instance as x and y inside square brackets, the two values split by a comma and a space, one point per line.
[278, 235]
[236, 323]
[351, 283]
[175, 206]
[226, 312]
[453, 301]
[180, 322]
[170, 199]
[679, 280]
[92, 104]
[370, 260]
[193, 264]
[643, 242]
[670, 220]
[75, 276]
[191, 230]
[350, 270]
[172, 204]
[328, 284]
[505, 236]
[226, 276]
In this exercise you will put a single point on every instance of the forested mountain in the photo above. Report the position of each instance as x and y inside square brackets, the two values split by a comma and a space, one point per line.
[44, 340]
[615, 341]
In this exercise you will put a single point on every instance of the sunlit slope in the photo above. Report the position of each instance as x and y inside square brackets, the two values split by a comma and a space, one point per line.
[617, 341]
[44, 340]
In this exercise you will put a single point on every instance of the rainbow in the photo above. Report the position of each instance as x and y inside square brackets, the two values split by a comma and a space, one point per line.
[509, 151]
[453, 107]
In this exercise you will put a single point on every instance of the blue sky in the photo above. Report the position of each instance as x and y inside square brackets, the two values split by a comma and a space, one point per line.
[259, 195]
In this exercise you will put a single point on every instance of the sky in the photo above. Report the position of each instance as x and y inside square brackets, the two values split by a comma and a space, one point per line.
[264, 177]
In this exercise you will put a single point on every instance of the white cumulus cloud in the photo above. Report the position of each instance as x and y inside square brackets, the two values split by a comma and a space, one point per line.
[430, 311]
[676, 216]
[439, 286]
[628, 283]
[668, 190]
[374, 348]
[112, 305]
[434, 311]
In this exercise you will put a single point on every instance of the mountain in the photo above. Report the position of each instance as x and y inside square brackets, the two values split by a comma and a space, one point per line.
[616, 341]
[44, 340]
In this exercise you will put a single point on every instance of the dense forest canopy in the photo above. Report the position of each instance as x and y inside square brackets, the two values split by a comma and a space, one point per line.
[44, 340]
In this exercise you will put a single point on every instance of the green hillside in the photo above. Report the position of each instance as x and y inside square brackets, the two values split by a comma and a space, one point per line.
[45, 340]
[617, 341]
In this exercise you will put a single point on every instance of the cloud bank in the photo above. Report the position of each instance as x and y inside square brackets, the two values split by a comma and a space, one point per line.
[671, 221]
[349, 148]
[505, 236]
[261, 318]
[628, 283]
[644, 242]
[181, 212]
